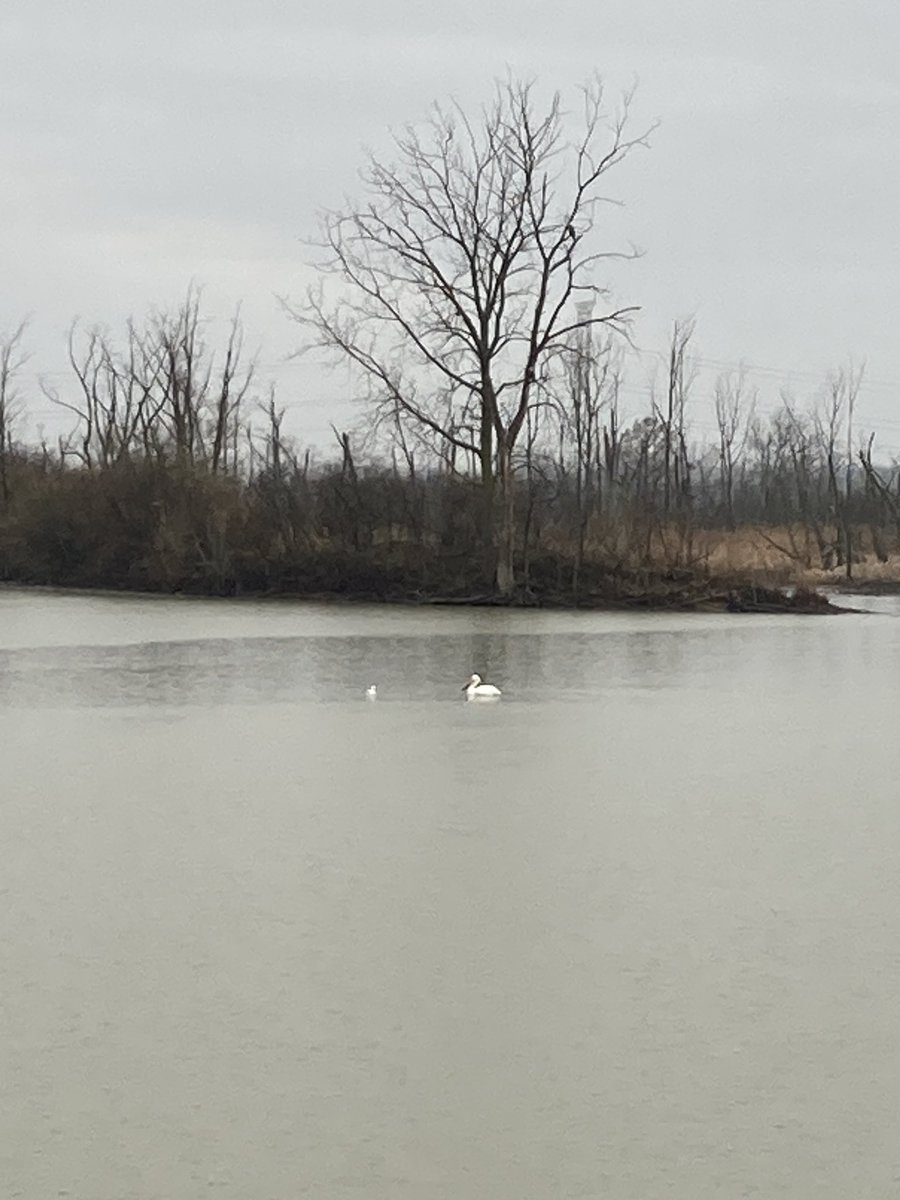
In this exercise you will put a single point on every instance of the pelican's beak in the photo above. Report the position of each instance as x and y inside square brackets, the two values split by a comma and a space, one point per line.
[465, 686]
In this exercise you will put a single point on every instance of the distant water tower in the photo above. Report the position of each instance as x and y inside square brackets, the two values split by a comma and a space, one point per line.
[583, 310]
[584, 345]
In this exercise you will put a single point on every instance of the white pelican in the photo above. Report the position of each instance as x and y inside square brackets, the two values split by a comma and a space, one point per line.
[475, 689]
[372, 692]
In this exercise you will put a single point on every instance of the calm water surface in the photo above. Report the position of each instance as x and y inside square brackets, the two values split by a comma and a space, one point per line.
[631, 933]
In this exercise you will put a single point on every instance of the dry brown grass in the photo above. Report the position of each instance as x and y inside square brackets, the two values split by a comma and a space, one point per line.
[769, 556]
[787, 555]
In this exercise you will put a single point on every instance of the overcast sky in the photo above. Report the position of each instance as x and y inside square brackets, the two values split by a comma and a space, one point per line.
[148, 144]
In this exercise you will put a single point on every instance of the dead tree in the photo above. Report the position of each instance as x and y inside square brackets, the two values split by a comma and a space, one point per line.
[162, 395]
[611, 460]
[676, 465]
[842, 390]
[732, 421]
[680, 376]
[590, 381]
[880, 488]
[458, 273]
[108, 401]
[12, 359]
[200, 403]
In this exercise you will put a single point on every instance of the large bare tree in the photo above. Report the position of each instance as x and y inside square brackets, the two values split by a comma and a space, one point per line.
[451, 284]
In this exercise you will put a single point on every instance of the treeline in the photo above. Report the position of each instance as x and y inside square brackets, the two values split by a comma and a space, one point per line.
[496, 458]
[177, 476]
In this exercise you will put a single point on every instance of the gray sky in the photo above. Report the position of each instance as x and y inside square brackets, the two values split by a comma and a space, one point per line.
[145, 145]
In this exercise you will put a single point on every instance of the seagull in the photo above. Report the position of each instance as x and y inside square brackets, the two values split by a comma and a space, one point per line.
[475, 689]
[372, 692]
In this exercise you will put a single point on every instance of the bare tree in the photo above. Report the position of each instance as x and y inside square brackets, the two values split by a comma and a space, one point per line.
[670, 416]
[612, 447]
[107, 404]
[163, 394]
[680, 377]
[842, 389]
[199, 403]
[12, 359]
[591, 383]
[852, 381]
[731, 396]
[451, 286]
[887, 502]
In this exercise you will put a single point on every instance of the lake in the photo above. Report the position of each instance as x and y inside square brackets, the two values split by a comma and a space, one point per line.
[631, 932]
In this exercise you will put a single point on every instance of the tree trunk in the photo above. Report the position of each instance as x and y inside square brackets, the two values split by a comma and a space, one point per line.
[488, 483]
[4, 478]
[505, 526]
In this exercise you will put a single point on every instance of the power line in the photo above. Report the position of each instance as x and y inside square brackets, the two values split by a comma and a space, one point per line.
[784, 373]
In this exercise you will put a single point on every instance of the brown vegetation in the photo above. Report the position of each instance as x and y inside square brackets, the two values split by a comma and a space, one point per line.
[172, 481]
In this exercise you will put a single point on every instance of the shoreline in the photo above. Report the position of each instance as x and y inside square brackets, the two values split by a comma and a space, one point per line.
[731, 597]
[864, 587]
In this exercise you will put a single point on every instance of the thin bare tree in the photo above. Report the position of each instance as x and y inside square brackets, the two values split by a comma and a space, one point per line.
[164, 394]
[735, 402]
[680, 377]
[835, 426]
[12, 359]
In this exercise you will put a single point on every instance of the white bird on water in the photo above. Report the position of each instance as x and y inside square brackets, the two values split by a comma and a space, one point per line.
[476, 690]
[372, 692]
